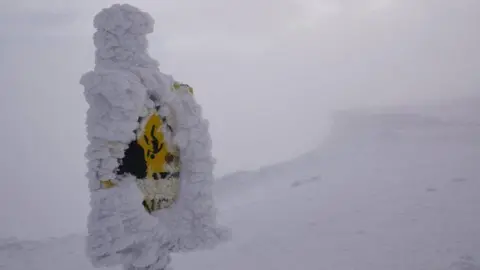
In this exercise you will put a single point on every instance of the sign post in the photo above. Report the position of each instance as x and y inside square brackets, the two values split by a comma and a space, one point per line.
[150, 166]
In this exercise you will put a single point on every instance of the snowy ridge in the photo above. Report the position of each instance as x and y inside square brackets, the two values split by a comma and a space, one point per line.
[121, 232]
[358, 202]
[364, 200]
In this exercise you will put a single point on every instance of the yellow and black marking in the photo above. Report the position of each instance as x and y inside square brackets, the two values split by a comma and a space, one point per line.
[178, 86]
[154, 163]
[107, 184]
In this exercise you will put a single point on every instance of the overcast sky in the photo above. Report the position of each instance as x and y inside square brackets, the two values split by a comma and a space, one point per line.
[268, 74]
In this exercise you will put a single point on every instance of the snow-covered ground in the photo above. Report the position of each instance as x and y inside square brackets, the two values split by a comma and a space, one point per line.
[386, 191]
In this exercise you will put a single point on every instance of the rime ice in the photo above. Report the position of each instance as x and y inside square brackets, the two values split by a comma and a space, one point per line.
[120, 231]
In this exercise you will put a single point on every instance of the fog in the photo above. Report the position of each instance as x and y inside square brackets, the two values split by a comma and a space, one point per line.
[268, 74]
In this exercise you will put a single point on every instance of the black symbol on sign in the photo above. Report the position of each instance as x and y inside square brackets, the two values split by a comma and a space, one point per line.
[156, 145]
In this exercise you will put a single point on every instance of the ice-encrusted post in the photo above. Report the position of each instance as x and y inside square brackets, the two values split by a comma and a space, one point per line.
[121, 38]
[118, 91]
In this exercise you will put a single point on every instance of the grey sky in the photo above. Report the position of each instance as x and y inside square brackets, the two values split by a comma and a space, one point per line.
[268, 74]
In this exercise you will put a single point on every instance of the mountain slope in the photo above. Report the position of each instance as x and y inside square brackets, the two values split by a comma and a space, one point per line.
[396, 193]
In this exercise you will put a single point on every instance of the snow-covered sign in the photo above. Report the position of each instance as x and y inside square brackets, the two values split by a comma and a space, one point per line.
[163, 201]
